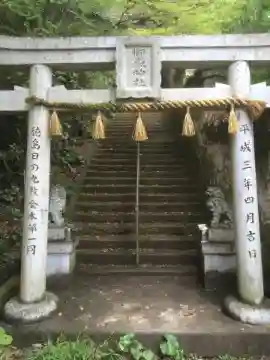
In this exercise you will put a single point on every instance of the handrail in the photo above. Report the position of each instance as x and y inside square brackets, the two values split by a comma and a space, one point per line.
[137, 205]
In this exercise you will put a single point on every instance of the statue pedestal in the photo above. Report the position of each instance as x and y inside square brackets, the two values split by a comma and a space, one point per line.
[61, 256]
[218, 256]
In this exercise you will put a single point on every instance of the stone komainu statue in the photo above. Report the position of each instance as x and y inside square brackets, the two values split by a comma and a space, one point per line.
[57, 205]
[216, 203]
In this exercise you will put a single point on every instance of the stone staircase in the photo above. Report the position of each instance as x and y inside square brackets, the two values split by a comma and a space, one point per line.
[170, 205]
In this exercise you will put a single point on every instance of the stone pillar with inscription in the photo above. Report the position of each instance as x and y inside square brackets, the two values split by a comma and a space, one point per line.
[247, 307]
[247, 226]
[34, 302]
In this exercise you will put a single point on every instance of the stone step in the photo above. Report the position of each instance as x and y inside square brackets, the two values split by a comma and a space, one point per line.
[118, 228]
[170, 207]
[145, 197]
[132, 116]
[145, 155]
[128, 257]
[119, 125]
[109, 216]
[152, 120]
[152, 167]
[121, 128]
[82, 203]
[128, 162]
[115, 188]
[114, 131]
[154, 136]
[126, 149]
[158, 241]
[123, 143]
[149, 161]
[132, 181]
[148, 121]
[132, 122]
[127, 128]
[144, 173]
[133, 150]
[116, 135]
[145, 168]
[143, 270]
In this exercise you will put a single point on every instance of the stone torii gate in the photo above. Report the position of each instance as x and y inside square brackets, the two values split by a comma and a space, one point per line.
[138, 66]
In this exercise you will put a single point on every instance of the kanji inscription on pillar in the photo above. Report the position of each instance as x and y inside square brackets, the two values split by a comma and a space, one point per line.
[250, 198]
[33, 214]
[138, 67]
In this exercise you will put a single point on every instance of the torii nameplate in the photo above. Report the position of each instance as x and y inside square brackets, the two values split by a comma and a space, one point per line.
[138, 68]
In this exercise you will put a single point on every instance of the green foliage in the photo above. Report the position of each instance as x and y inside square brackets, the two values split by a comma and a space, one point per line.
[86, 349]
[81, 17]
[229, 357]
[171, 348]
[5, 339]
[80, 349]
[129, 344]
[11, 196]
[62, 349]
[64, 155]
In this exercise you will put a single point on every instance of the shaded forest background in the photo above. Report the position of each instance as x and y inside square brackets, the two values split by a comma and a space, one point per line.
[46, 18]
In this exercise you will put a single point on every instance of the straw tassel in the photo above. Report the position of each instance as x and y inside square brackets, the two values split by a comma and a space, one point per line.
[188, 124]
[139, 133]
[55, 125]
[98, 128]
[233, 125]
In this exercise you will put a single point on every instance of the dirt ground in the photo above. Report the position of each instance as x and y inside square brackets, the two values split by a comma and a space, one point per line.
[149, 307]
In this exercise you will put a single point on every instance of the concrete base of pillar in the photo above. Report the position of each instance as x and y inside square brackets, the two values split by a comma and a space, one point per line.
[248, 314]
[16, 311]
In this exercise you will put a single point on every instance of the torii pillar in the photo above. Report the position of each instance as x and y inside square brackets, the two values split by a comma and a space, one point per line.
[33, 302]
[248, 306]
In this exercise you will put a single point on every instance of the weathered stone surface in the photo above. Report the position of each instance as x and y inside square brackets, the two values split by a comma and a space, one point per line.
[218, 253]
[138, 68]
[16, 311]
[36, 193]
[218, 206]
[57, 205]
[100, 306]
[61, 254]
[219, 263]
[248, 314]
[61, 258]
[218, 248]
[99, 52]
[56, 233]
[221, 235]
[14, 100]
